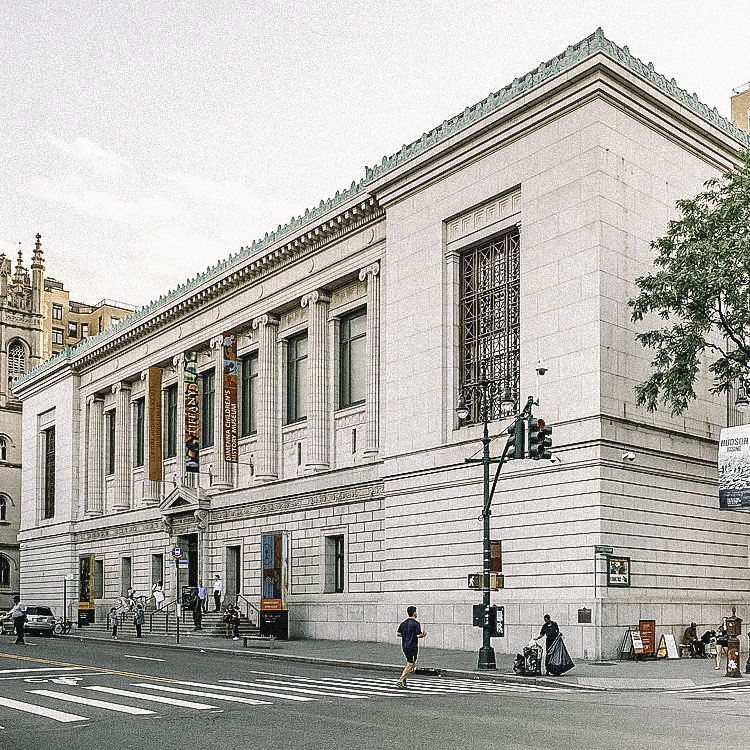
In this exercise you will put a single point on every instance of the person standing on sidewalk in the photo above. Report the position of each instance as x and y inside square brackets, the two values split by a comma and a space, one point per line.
[202, 597]
[112, 618]
[218, 588]
[18, 613]
[410, 631]
[139, 619]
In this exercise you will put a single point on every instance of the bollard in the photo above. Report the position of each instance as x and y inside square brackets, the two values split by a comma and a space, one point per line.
[734, 630]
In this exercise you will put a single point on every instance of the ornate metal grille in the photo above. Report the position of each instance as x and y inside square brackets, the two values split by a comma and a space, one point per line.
[490, 339]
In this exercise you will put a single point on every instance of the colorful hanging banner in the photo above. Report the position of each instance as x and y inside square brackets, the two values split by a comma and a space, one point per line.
[192, 413]
[154, 424]
[229, 400]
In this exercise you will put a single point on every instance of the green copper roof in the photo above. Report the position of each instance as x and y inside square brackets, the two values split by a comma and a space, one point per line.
[597, 42]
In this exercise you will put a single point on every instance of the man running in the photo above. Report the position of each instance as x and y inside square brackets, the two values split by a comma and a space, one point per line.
[410, 631]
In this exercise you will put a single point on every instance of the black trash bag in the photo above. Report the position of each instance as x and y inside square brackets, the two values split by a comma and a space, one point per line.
[558, 658]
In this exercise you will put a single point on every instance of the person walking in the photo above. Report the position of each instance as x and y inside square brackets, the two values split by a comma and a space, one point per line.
[218, 588]
[139, 619]
[18, 613]
[410, 632]
[202, 597]
[112, 619]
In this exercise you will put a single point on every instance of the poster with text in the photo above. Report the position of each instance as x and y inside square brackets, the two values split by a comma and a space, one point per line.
[734, 467]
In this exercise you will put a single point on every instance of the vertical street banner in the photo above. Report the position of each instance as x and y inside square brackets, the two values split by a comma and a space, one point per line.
[154, 424]
[229, 398]
[734, 467]
[192, 413]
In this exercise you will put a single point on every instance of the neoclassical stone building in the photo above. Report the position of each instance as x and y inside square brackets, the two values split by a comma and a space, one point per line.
[511, 232]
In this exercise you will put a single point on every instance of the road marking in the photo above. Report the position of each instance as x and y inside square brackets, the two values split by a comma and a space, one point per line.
[50, 713]
[294, 688]
[266, 693]
[152, 698]
[145, 658]
[216, 696]
[94, 703]
[42, 669]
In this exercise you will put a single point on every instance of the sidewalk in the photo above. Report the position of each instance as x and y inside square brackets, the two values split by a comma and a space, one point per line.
[657, 675]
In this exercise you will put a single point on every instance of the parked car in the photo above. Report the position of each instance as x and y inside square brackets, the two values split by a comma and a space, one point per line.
[38, 620]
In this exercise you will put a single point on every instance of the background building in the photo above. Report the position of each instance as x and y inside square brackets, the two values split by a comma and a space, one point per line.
[513, 231]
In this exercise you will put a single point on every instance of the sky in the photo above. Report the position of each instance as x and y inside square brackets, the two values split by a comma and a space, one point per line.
[145, 140]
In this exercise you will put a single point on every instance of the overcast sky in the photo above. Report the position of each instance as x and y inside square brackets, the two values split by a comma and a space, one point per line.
[146, 140]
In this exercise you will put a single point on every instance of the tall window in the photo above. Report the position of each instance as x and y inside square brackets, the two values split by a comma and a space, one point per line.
[296, 379]
[110, 425]
[16, 361]
[57, 312]
[249, 393]
[140, 431]
[353, 359]
[208, 387]
[48, 473]
[170, 406]
[4, 571]
[489, 311]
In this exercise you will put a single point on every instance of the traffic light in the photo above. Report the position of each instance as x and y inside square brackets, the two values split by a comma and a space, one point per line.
[540, 439]
[515, 445]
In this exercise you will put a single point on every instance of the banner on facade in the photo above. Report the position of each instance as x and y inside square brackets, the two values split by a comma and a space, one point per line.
[734, 467]
[192, 413]
[86, 582]
[229, 400]
[154, 424]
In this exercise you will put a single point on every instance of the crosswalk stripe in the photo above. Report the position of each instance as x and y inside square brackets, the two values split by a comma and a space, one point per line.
[92, 702]
[49, 713]
[215, 696]
[266, 693]
[152, 698]
[291, 686]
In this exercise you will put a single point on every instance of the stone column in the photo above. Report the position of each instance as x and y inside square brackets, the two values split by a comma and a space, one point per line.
[318, 417]
[371, 274]
[151, 488]
[223, 474]
[267, 447]
[94, 505]
[123, 470]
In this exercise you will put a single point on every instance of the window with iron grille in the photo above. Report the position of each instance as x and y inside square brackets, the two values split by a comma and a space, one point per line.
[489, 314]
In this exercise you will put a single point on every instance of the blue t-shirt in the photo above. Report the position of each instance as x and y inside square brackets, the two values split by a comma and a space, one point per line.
[409, 631]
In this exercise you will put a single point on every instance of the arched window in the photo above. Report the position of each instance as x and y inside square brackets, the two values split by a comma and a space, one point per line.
[16, 360]
[3, 508]
[4, 571]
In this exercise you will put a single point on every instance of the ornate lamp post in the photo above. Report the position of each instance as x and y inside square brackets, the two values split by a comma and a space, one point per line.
[485, 390]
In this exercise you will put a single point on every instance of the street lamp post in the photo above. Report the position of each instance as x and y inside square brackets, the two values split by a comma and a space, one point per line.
[485, 389]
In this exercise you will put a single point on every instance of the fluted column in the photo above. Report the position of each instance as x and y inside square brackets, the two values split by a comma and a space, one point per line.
[94, 457]
[317, 381]
[267, 449]
[151, 489]
[123, 471]
[223, 475]
[371, 274]
[184, 478]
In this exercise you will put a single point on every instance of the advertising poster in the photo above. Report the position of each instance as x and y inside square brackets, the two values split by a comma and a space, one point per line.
[154, 424]
[734, 467]
[192, 413]
[618, 571]
[230, 419]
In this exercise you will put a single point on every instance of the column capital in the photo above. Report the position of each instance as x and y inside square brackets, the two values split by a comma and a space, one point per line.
[314, 298]
[267, 319]
[372, 270]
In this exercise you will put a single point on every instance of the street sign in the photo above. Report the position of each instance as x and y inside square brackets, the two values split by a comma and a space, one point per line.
[177, 552]
[603, 550]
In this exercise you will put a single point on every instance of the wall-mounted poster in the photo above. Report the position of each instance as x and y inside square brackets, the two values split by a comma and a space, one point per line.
[618, 571]
[734, 467]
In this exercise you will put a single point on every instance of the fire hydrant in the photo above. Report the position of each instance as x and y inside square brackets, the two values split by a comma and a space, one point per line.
[734, 630]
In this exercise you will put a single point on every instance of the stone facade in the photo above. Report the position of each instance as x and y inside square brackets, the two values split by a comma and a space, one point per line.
[584, 158]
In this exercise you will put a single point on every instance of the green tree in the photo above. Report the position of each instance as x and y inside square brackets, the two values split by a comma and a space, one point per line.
[701, 289]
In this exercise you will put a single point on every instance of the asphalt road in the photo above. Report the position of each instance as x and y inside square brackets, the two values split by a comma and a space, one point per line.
[101, 694]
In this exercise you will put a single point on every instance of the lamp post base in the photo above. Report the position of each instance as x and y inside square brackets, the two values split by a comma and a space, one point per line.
[486, 658]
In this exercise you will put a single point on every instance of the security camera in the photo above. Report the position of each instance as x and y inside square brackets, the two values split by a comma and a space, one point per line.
[628, 457]
[540, 367]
